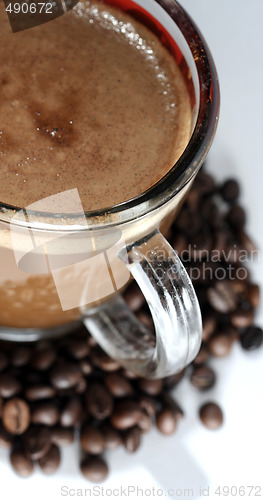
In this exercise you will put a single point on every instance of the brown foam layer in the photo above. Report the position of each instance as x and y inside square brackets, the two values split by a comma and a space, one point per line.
[91, 100]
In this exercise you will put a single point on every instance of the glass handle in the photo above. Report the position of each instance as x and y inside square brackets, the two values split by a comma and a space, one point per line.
[174, 307]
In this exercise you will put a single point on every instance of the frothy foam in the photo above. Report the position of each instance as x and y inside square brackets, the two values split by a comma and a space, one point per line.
[92, 101]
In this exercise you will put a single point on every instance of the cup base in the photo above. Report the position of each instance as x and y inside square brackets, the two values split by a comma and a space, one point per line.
[34, 334]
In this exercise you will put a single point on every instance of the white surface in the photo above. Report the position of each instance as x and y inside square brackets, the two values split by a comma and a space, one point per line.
[195, 457]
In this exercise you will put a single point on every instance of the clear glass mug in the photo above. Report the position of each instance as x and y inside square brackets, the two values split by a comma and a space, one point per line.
[60, 269]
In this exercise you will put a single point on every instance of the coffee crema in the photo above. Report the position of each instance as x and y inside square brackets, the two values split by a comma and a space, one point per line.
[91, 100]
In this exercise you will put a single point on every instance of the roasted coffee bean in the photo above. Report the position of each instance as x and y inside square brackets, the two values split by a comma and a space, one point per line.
[173, 380]
[4, 361]
[132, 439]
[238, 271]
[78, 348]
[203, 273]
[230, 190]
[188, 223]
[247, 243]
[221, 297]
[213, 216]
[152, 387]
[91, 341]
[244, 305]
[94, 468]
[37, 441]
[234, 255]
[6, 439]
[21, 356]
[252, 338]
[71, 413]
[37, 392]
[236, 217]
[240, 287]
[253, 293]
[9, 385]
[211, 415]
[118, 386]
[220, 345]
[81, 332]
[112, 438]
[51, 461]
[99, 401]
[233, 334]
[134, 297]
[126, 414]
[205, 183]
[166, 422]
[129, 374]
[145, 422]
[201, 246]
[242, 319]
[32, 378]
[220, 241]
[81, 386]
[43, 358]
[148, 404]
[85, 366]
[62, 436]
[193, 199]
[21, 463]
[146, 320]
[202, 356]
[65, 375]
[169, 403]
[45, 413]
[203, 377]
[92, 440]
[16, 416]
[179, 243]
[103, 361]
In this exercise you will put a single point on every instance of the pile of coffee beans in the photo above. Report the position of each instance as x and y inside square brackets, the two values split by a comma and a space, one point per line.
[52, 393]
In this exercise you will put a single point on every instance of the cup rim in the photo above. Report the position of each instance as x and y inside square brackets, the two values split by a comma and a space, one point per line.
[180, 173]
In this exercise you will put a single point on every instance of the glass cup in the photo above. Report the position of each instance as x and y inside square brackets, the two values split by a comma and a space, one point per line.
[60, 268]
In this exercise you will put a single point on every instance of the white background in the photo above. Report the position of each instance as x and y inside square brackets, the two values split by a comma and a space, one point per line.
[195, 457]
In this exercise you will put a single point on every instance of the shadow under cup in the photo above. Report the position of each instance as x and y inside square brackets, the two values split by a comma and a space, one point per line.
[56, 267]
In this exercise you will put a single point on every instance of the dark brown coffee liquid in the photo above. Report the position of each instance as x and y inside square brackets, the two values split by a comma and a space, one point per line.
[92, 101]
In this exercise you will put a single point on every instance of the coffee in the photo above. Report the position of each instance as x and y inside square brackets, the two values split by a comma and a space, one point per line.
[91, 100]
